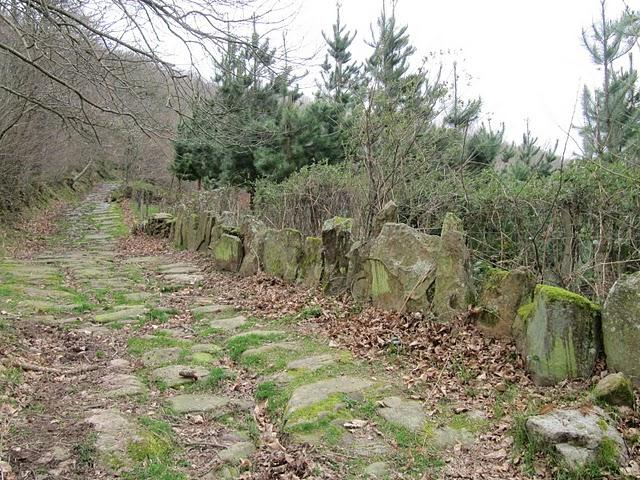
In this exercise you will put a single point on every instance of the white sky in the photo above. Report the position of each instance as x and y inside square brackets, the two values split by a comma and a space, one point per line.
[525, 58]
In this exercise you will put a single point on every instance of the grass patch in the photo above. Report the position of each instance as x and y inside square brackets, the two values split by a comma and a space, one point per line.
[212, 382]
[85, 451]
[238, 345]
[276, 397]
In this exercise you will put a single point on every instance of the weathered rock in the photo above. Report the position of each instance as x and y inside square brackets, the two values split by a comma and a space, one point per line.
[237, 452]
[454, 286]
[252, 231]
[558, 335]
[120, 385]
[180, 279]
[312, 363]
[310, 272]
[199, 403]
[159, 225]
[377, 470]
[269, 348]
[202, 238]
[448, 437]
[173, 375]
[229, 324]
[502, 295]
[578, 436]
[621, 327]
[282, 253]
[388, 214]
[129, 314]
[406, 413]
[615, 389]
[313, 393]
[336, 244]
[114, 431]
[402, 268]
[161, 356]
[227, 252]
[212, 308]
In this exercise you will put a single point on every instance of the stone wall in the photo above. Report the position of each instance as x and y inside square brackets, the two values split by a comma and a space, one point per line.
[558, 333]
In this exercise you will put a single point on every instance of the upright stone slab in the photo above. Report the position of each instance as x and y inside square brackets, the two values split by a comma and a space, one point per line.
[621, 327]
[454, 289]
[401, 268]
[310, 272]
[503, 293]
[191, 231]
[202, 240]
[227, 252]
[252, 231]
[558, 335]
[388, 214]
[336, 243]
[282, 253]
[177, 232]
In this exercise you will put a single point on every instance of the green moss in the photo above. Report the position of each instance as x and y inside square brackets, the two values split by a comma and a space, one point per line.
[325, 408]
[379, 279]
[275, 395]
[494, 278]
[552, 294]
[238, 345]
[526, 311]
[137, 346]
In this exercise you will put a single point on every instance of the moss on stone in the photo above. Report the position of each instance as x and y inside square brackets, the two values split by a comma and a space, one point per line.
[557, 294]
[526, 310]
[379, 279]
[312, 413]
[494, 277]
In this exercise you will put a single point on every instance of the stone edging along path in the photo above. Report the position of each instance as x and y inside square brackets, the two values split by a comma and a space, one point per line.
[127, 371]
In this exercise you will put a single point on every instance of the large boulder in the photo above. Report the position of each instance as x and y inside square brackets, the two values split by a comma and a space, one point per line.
[227, 252]
[558, 334]
[503, 293]
[401, 267]
[252, 231]
[202, 238]
[336, 243]
[282, 252]
[621, 327]
[454, 286]
[310, 272]
[579, 437]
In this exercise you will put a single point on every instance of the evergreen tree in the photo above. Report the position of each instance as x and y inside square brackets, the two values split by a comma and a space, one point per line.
[608, 111]
[389, 63]
[339, 73]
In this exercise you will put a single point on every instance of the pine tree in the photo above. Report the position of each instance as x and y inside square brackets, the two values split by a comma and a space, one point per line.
[389, 64]
[339, 73]
[606, 110]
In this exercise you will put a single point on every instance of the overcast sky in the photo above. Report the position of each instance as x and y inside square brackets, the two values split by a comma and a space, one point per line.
[525, 58]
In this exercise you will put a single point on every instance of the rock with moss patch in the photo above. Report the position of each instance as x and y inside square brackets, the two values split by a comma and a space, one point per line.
[202, 237]
[615, 389]
[336, 243]
[310, 272]
[580, 437]
[315, 398]
[558, 335]
[282, 252]
[227, 252]
[621, 327]
[401, 268]
[252, 231]
[407, 413]
[503, 293]
[453, 286]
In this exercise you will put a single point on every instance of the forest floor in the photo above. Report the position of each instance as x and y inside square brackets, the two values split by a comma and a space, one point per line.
[123, 358]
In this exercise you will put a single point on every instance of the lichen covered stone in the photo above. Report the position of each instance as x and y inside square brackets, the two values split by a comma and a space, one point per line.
[310, 271]
[615, 389]
[227, 252]
[503, 293]
[621, 327]
[558, 335]
[282, 252]
[336, 243]
[453, 286]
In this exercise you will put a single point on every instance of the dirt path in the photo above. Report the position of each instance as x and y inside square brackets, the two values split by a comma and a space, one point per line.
[121, 365]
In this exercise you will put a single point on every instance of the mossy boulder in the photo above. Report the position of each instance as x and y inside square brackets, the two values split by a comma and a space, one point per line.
[227, 252]
[503, 293]
[558, 334]
[615, 389]
[401, 268]
[252, 231]
[282, 252]
[621, 327]
[336, 243]
[453, 286]
[310, 271]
